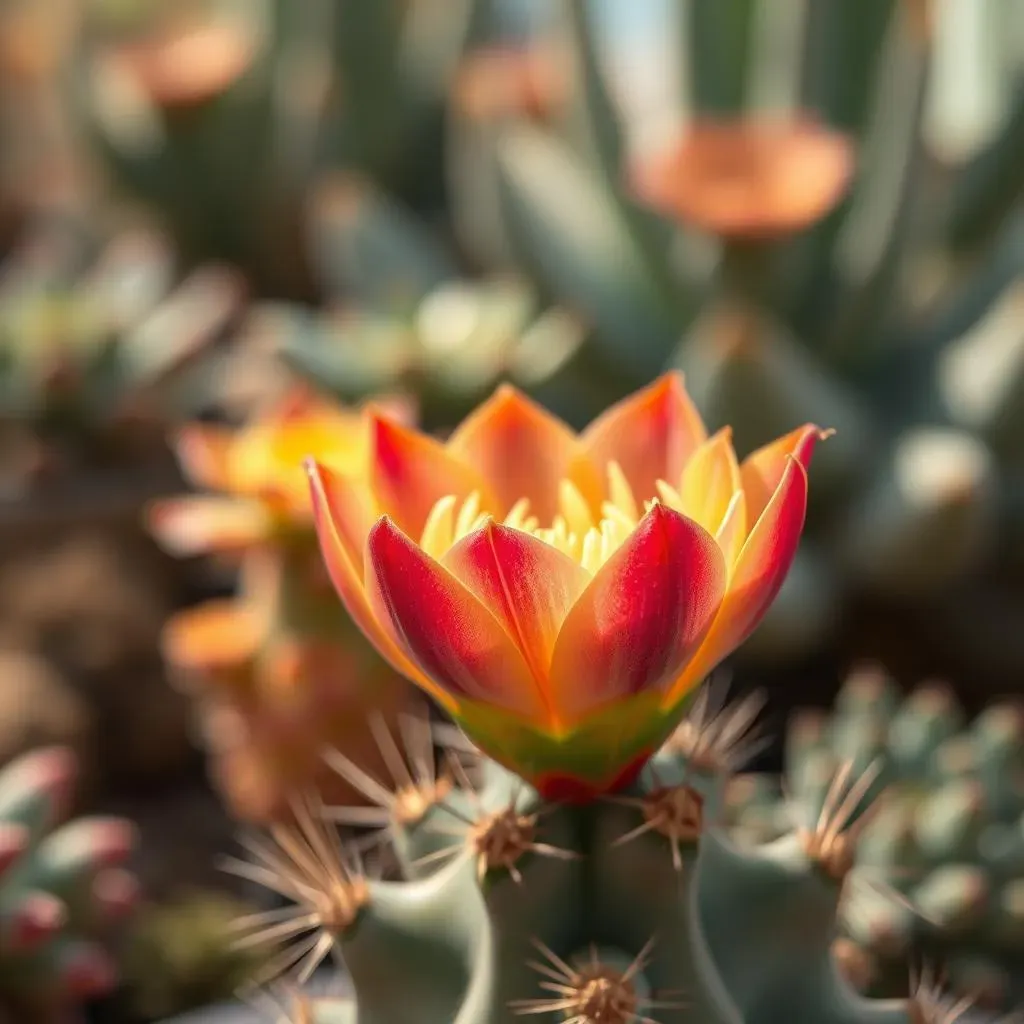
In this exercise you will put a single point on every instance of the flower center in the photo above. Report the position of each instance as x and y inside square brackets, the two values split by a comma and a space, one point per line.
[575, 530]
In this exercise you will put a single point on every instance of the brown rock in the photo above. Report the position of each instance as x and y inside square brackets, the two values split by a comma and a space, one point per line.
[93, 605]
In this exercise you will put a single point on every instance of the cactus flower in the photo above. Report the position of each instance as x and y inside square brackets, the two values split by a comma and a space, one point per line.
[748, 178]
[279, 672]
[561, 595]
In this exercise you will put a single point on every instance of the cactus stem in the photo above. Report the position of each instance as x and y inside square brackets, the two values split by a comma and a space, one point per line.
[596, 993]
[677, 812]
[716, 737]
[306, 864]
[496, 840]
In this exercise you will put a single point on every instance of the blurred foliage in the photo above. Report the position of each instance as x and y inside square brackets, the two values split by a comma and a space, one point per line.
[180, 956]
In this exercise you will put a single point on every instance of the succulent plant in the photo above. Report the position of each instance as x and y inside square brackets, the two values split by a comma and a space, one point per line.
[946, 832]
[179, 957]
[402, 318]
[63, 891]
[225, 115]
[278, 670]
[95, 346]
[816, 241]
[636, 907]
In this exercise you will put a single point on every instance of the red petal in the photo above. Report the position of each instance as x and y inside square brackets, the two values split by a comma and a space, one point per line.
[411, 472]
[443, 628]
[763, 469]
[641, 618]
[760, 570]
[650, 434]
[524, 452]
[528, 586]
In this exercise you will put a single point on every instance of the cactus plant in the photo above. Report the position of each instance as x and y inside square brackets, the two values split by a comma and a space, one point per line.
[801, 246]
[278, 669]
[636, 907]
[224, 115]
[946, 832]
[63, 889]
[94, 346]
[400, 317]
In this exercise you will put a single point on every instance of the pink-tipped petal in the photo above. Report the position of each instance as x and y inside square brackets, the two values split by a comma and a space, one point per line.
[187, 527]
[87, 972]
[760, 570]
[410, 472]
[523, 451]
[14, 842]
[115, 894]
[443, 628]
[338, 515]
[49, 774]
[641, 618]
[762, 470]
[527, 585]
[109, 841]
[37, 918]
[650, 434]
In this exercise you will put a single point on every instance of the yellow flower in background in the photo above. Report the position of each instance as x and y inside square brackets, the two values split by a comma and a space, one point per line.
[257, 473]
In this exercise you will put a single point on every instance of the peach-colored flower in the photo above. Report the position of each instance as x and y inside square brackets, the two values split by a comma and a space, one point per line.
[560, 594]
[748, 178]
[185, 63]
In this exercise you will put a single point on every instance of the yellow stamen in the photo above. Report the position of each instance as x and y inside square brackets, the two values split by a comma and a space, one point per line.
[574, 508]
[439, 529]
[620, 493]
[468, 515]
[670, 496]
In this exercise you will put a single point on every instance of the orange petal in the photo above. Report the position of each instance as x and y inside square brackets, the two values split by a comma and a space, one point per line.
[758, 575]
[528, 586]
[651, 435]
[411, 472]
[191, 526]
[444, 629]
[642, 616]
[213, 635]
[524, 452]
[763, 469]
[204, 454]
[339, 522]
[710, 479]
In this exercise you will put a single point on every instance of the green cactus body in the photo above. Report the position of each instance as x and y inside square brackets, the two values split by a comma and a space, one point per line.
[945, 833]
[632, 908]
[63, 891]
